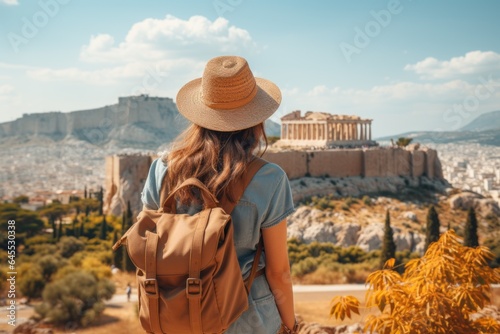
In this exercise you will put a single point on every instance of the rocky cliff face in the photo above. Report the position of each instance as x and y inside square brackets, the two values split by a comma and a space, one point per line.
[137, 121]
[134, 122]
[309, 224]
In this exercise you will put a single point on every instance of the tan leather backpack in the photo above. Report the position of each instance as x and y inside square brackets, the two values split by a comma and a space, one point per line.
[188, 276]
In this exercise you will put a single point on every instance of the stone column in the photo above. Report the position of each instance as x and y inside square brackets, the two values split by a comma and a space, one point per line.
[362, 137]
[370, 131]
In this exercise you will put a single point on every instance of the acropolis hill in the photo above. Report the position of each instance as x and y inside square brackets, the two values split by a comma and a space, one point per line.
[347, 151]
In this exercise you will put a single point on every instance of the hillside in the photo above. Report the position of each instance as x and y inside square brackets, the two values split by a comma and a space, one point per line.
[485, 130]
[484, 122]
[137, 122]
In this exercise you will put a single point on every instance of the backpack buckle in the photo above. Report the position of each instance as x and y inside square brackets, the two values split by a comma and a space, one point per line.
[151, 286]
[193, 287]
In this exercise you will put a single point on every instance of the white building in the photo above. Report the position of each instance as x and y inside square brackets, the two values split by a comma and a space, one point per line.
[488, 184]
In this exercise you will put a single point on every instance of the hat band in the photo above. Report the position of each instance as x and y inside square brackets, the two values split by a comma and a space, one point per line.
[231, 104]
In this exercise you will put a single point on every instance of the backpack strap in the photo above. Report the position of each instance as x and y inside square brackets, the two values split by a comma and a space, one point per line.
[228, 206]
[238, 187]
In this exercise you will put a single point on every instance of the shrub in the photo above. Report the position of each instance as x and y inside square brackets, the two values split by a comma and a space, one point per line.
[76, 298]
[31, 281]
[350, 201]
[69, 246]
[96, 267]
[49, 265]
[304, 267]
[366, 200]
[437, 293]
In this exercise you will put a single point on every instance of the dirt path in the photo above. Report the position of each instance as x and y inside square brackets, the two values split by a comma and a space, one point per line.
[120, 316]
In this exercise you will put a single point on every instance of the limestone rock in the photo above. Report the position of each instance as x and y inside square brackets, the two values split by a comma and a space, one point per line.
[410, 216]
[483, 206]
[347, 234]
[324, 232]
[370, 237]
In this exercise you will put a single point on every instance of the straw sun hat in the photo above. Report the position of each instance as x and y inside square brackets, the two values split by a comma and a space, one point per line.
[228, 97]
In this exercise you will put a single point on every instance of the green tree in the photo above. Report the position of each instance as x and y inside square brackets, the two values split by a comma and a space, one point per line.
[100, 198]
[470, 233]
[49, 264]
[127, 264]
[54, 212]
[60, 230]
[432, 227]
[104, 229]
[77, 298]
[117, 255]
[403, 141]
[27, 223]
[21, 199]
[30, 280]
[68, 246]
[388, 244]
[82, 227]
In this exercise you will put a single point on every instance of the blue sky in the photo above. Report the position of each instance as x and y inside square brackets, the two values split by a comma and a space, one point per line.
[408, 65]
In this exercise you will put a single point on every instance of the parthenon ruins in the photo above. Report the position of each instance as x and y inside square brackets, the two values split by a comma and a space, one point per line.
[324, 129]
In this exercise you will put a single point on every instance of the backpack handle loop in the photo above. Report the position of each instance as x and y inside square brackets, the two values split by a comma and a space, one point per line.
[209, 199]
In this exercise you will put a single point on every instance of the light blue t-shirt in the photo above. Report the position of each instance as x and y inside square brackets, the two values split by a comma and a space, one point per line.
[266, 201]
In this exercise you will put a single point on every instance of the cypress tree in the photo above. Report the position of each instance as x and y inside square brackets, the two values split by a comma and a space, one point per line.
[73, 227]
[388, 244]
[432, 229]
[101, 201]
[85, 194]
[82, 228]
[54, 229]
[117, 256]
[60, 230]
[104, 229]
[127, 264]
[470, 233]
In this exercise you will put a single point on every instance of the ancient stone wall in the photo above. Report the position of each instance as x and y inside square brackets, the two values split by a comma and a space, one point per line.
[295, 162]
[380, 162]
[124, 181]
[125, 175]
[341, 163]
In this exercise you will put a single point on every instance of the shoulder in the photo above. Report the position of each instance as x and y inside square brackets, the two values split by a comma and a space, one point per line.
[267, 180]
[157, 171]
[270, 171]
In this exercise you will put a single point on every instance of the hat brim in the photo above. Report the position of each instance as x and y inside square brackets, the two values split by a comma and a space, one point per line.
[261, 107]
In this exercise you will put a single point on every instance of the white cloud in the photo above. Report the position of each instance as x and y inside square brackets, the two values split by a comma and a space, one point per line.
[402, 106]
[10, 2]
[170, 47]
[170, 38]
[8, 95]
[473, 63]
[6, 90]
[134, 72]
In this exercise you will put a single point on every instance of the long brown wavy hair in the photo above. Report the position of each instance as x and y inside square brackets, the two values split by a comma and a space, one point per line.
[215, 158]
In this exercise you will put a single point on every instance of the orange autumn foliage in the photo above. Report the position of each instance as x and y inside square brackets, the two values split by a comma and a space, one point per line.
[438, 293]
